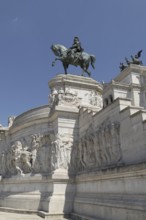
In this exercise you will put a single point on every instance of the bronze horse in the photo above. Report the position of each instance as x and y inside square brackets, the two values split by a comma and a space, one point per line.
[67, 57]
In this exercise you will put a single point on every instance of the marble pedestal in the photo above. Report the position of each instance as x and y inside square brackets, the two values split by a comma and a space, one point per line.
[38, 149]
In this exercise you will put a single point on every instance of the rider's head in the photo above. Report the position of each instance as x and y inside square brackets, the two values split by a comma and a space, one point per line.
[76, 39]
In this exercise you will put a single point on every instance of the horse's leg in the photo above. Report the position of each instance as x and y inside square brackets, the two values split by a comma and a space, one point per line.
[65, 70]
[88, 72]
[53, 63]
[82, 72]
[65, 67]
[92, 61]
[85, 68]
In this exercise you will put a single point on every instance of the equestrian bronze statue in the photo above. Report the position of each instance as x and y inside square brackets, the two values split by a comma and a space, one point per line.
[75, 56]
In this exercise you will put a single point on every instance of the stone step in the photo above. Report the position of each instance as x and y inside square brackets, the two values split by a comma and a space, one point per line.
[21, 216]
[16, 216]
[75, 216]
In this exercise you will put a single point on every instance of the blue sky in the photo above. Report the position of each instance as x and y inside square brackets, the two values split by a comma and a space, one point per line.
[109, 29]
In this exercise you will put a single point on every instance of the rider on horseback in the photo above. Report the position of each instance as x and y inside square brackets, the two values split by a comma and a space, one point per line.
[76, 49]
[76, 58]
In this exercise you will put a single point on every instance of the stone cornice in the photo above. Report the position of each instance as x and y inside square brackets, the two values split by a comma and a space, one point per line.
[32, 110]
[131, 68]
[114, 84]
[28, 118]
[74, 80]
[118, 85]
[114, 173]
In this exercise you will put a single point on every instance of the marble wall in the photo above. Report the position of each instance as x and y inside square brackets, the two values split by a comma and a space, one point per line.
[80, 155]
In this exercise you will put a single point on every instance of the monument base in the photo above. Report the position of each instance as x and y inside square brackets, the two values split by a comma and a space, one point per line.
[47, 196]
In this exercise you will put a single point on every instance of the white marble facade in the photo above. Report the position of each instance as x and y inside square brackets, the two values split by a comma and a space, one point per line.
[81, 155]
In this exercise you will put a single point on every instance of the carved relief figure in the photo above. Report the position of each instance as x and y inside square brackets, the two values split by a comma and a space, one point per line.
[53, 97]
[115, 135]
[16, 160]
[100, 148]
[35, 144]
[42, 162]
[61, 150]
[54, 155]
[10, 121]
[97, 148]
[84, 151]
[74, 158]
[94, 98]
[108, 140]
[81, 162]
[25, 161]
[104, 152]
[2, 163]
[67, 142]
[15, 157]
[56, 152]
[60, 95]
[90, 147]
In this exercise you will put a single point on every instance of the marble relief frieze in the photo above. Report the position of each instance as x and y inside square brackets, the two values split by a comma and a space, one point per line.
[37, 153]
[101, 147]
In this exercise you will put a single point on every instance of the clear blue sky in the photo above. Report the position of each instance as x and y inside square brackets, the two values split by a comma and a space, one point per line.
[109, 29]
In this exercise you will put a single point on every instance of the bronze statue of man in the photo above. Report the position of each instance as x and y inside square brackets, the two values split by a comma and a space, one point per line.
[75, 56]
[76, 47]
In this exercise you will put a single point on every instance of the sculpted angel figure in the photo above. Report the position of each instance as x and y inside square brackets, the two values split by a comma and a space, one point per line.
[10, 121]
[136, 60]
[122, 66]
[16, 150]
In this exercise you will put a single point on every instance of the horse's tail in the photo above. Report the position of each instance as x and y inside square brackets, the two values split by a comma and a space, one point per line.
[93, 59]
